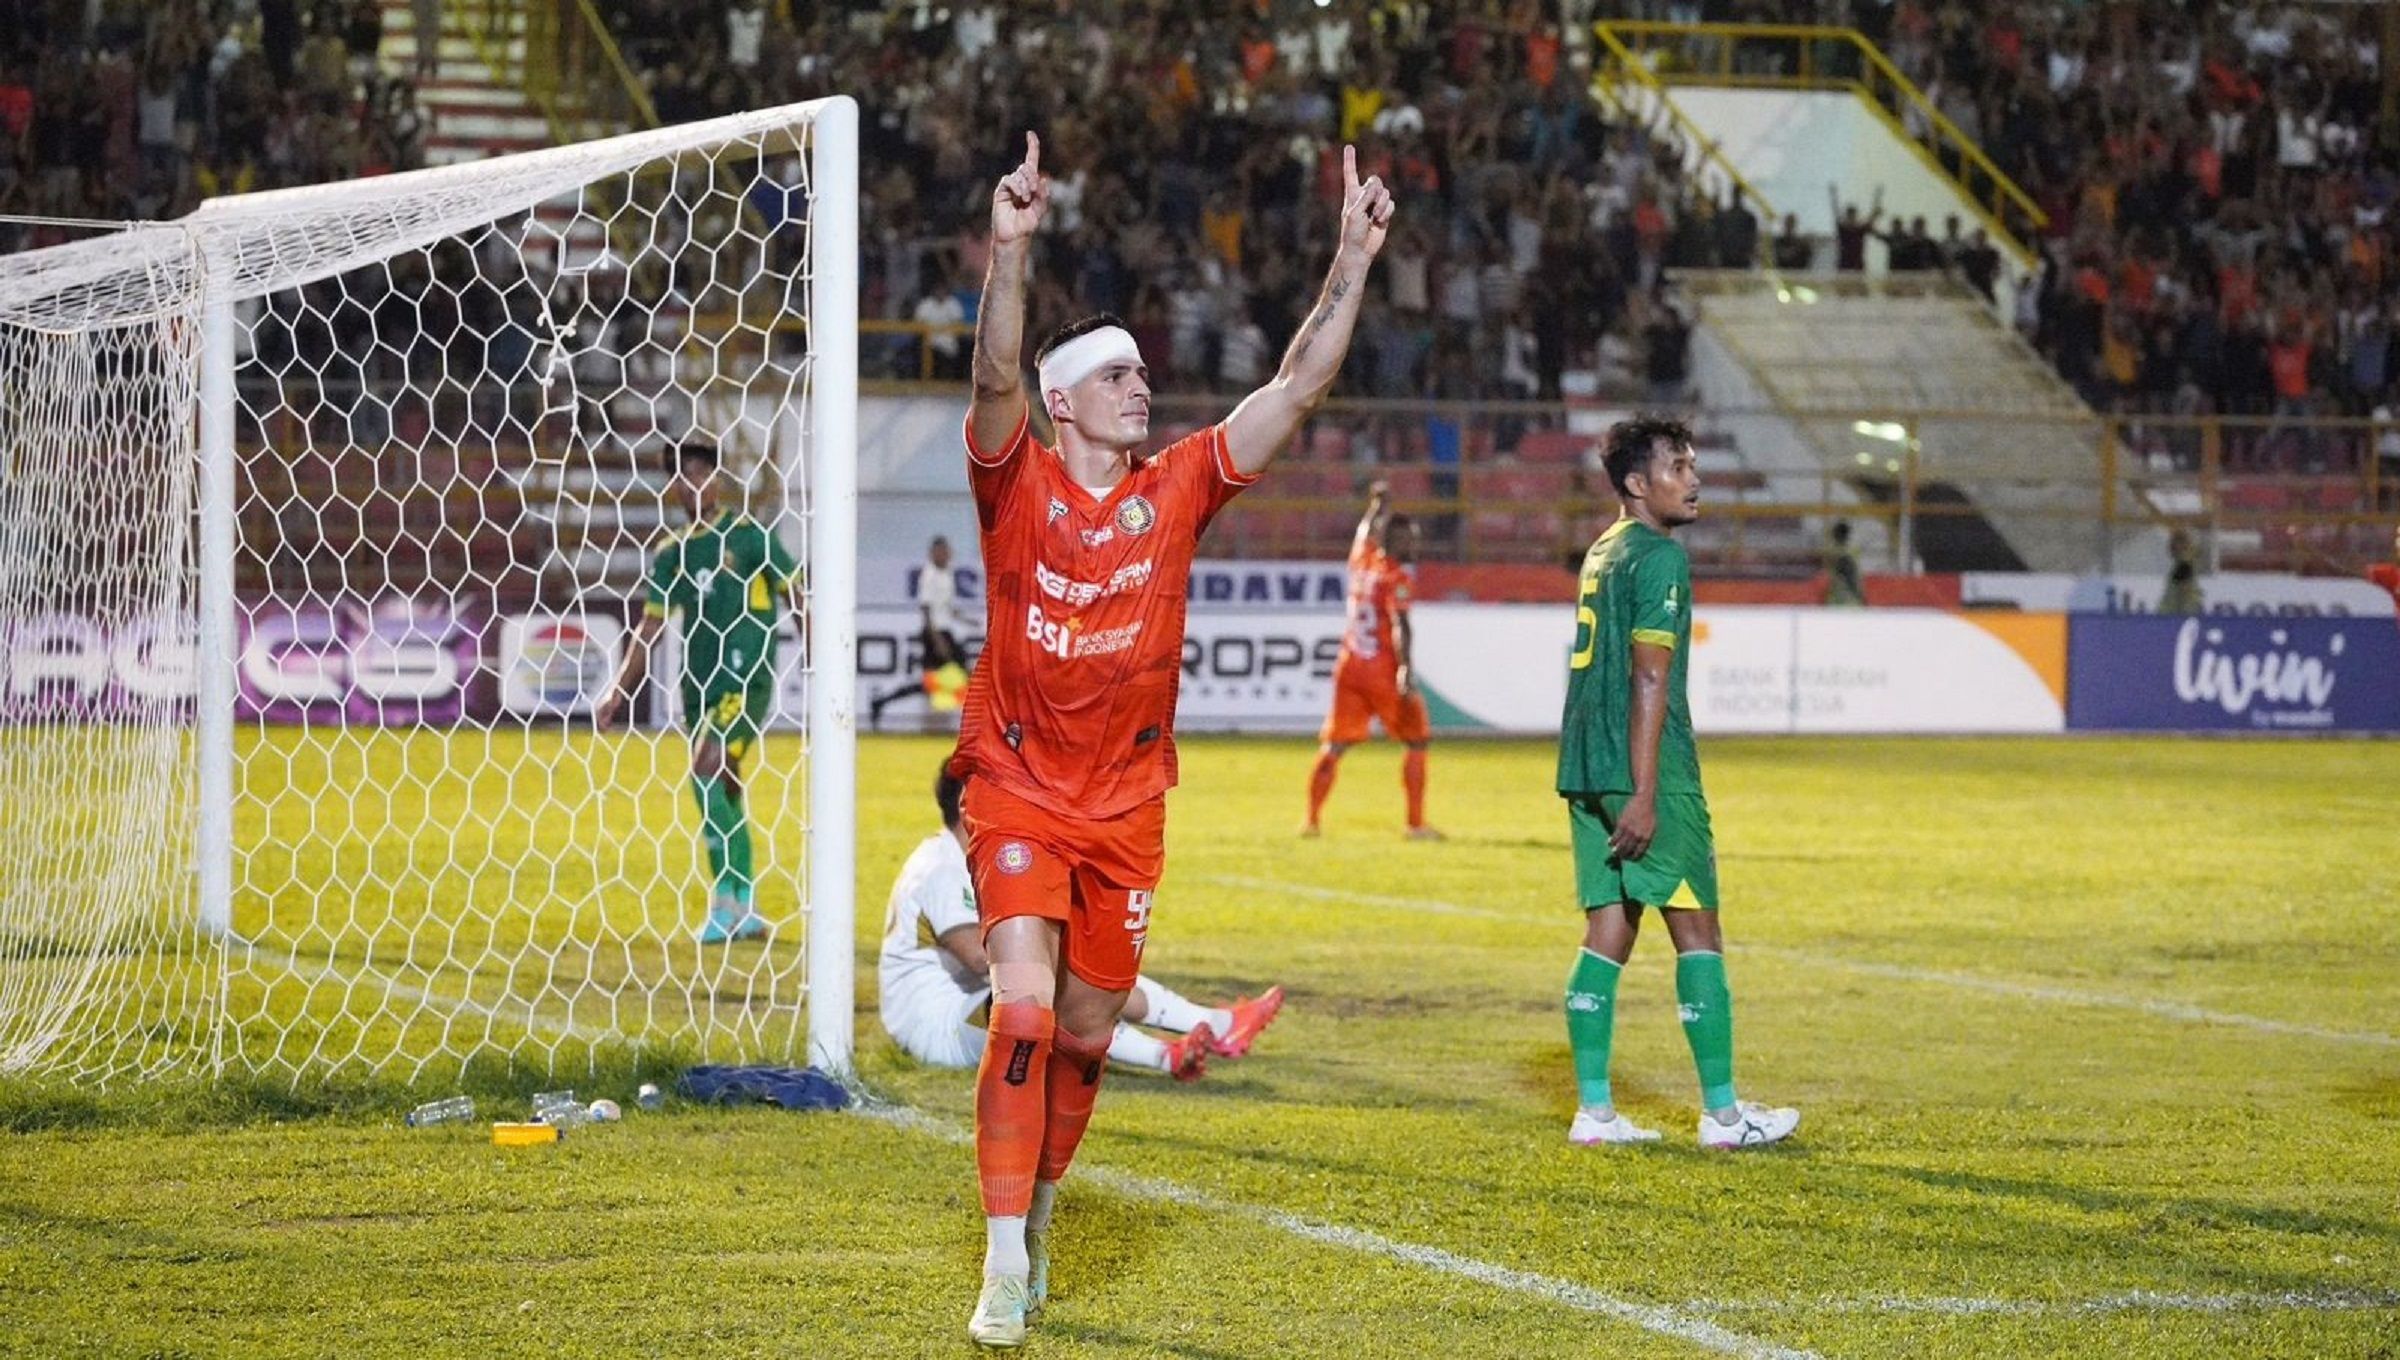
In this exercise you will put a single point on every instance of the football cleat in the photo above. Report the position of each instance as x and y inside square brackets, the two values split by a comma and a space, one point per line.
[1037, 1271]
[1753, 1125]
[1589, 1130]
[1251, 1016]
[1187, 1057]
[729, 920]
[999, 1320]
[1425, 833]
[1310, 831]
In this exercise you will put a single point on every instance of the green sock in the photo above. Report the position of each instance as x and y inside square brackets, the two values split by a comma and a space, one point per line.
[725, 834]
[738, 878]
[1591, 1022]
[1707, 1006]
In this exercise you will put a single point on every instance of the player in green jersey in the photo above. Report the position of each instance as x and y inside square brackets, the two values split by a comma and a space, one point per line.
[728, 577]
[1630, 773]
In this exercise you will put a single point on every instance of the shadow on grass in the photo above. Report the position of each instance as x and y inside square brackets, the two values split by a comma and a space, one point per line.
[2162, 1213]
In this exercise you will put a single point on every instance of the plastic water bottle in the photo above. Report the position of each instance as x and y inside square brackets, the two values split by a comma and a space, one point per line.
[450, 1110]
[560, 1109]
[649, 1097]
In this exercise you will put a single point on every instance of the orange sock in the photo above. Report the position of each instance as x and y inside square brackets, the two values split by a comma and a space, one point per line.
[1412, 775]
[1320, 783]
[1074, 1085]
[1009, 1105]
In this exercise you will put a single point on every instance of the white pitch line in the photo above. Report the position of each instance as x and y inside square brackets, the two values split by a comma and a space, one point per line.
[2130, 1301]
[1677, 1323]
[2023, 991]
[2070, 996]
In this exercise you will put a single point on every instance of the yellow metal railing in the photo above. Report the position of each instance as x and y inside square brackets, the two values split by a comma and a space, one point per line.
[566, 61]
[1820, 57]
[1622, 65]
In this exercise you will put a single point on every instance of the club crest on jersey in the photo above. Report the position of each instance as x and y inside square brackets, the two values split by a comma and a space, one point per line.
[1014, 858]
[1135, 515]
[1058, 510]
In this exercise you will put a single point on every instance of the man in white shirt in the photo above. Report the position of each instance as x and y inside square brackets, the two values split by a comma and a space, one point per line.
[935, 593]
[935, 979]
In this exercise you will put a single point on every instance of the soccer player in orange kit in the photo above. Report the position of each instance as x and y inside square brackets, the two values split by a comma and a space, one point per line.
[1372, 678]
[2387, 574]
[1067, 738]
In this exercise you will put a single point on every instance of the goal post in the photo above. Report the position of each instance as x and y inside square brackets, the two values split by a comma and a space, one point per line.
[410, 456]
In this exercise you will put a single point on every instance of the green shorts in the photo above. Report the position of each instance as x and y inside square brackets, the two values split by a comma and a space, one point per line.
[1679, 869]
[732, 717]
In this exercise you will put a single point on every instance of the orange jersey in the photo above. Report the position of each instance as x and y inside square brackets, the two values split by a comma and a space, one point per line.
[1072, 706]
[2387, 575]
[1378, 594]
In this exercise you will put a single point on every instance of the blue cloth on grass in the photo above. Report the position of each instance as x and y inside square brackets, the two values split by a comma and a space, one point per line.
[793, 1088]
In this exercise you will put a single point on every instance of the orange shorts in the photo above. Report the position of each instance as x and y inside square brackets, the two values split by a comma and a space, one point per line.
[1092, 875]
[1361, 694]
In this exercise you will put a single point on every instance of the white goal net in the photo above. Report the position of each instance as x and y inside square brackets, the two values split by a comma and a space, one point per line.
[327, 519]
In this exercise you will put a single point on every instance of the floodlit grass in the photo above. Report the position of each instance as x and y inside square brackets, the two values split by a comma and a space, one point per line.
[2098, 1045]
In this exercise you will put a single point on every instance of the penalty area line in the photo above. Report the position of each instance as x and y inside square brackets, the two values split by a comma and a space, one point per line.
[1974, 982]
[1680, 1324]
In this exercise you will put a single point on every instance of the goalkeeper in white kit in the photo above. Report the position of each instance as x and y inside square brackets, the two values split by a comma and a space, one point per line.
[934, 978]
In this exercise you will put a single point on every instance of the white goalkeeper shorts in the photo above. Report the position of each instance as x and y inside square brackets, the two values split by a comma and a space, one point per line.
[933, 1023]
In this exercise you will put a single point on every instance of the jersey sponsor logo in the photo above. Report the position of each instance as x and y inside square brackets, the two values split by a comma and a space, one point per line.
[1135, 515]
[1058, 510]
[1093, 538]
[1076, 594]
[1014, 858]
[1068, 640]
[1671, 590]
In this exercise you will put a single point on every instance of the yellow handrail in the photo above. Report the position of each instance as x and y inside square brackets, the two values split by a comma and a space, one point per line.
[556, 58]
[1622, 59]
[1876, 72]
[615, 56]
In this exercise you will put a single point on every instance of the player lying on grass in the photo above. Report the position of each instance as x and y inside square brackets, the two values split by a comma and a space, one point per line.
[935, 978]
[1630, 772]
[1373, 678]
[727, 577]
[1067, 739]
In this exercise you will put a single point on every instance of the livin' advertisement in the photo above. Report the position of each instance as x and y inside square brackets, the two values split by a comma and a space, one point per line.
[2223, 674]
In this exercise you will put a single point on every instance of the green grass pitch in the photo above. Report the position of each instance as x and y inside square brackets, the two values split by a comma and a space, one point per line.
[2098, 1045]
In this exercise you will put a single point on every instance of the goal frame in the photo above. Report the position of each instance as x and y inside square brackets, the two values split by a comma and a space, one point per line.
[831, 635]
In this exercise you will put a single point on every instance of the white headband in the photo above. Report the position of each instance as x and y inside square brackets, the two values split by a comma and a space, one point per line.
[1082, 356]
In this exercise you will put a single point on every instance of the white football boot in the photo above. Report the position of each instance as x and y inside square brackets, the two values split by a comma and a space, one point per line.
[1589, 1130]
[999, 1320]
[1754, 1125]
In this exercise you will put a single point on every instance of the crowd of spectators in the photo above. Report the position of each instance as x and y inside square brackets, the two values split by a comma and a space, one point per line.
[1195, 158]
[2216, 189]
[132, 109]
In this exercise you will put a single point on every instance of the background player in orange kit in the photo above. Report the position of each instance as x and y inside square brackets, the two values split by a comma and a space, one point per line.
[2387, 574]
[1372, 678]
[1067, 736]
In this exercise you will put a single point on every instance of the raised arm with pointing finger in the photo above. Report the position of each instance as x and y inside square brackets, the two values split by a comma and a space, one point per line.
[998, 402]
[1267, 419]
